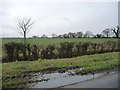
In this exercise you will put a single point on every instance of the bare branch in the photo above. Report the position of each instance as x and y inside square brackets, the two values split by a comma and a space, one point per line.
[28, 30]
[116, 31]
[25, 25]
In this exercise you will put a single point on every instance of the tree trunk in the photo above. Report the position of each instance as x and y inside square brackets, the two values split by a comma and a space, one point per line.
[24, 37]
[117, 35]
[107, 35]
[24, 53]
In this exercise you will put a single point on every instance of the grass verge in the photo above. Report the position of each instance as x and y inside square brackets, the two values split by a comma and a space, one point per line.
[91, 63]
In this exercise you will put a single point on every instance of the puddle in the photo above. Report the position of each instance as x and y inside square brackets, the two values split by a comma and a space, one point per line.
[61, 79]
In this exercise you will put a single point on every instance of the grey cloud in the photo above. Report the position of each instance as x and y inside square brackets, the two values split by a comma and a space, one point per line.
[58, 18]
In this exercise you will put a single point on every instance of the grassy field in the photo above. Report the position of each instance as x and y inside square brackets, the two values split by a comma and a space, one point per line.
[46, 41]
[91, 63]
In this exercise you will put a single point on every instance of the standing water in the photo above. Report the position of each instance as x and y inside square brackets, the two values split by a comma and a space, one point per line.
[62, 79]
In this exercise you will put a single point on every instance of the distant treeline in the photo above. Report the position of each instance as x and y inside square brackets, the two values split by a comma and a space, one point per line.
[113, 32]
[20, 52]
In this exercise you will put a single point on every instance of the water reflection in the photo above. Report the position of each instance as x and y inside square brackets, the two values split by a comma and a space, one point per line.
[62, 79]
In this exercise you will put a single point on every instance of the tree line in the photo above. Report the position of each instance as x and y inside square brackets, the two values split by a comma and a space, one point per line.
[25, 24]
[20, 52]
[107, 33]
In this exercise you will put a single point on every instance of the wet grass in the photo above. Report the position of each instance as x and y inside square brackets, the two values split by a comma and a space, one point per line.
[91, 63]
[15, 83]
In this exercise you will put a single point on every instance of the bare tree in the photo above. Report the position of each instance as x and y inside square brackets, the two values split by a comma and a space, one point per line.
[79, 34]
[44, 36]
[65, 36]
[54, 35]
[99, 35]
[106, 32]
[88, 34]
[25, 25]
[70, 35]
[116, 31]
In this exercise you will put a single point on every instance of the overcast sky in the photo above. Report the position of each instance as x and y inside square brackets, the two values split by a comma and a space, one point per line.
[58, 16]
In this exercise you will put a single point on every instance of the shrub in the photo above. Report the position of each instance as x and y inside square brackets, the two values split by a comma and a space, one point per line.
[19, 51]
[35, 52]
[10, 51]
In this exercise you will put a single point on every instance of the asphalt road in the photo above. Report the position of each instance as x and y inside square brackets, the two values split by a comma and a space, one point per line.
[108, 81]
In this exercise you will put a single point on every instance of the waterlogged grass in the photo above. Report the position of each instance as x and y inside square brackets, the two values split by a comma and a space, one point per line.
[15, 83]
[91, 63]
[98, 66]
[14, 68]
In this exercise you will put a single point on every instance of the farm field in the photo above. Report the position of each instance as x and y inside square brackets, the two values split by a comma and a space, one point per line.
[91, 63]
[46, 41]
